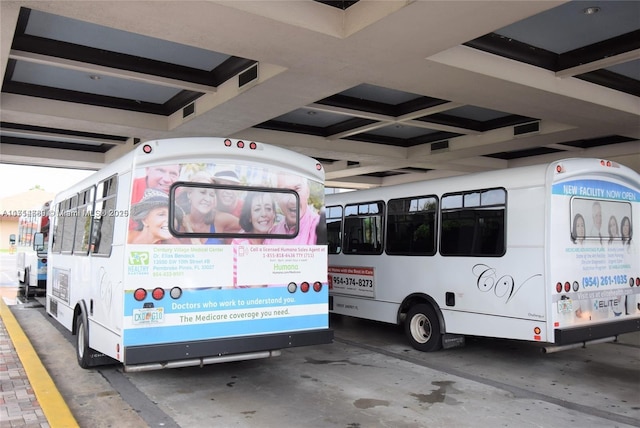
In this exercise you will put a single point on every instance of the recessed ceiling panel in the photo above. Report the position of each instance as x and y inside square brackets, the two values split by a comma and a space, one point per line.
[379, 100]
[321, 119]
[571, 26]
[379, 94]
[55, 77]
[629, 69]
[478, 114]
[404, 132]
[43, 44]
[81, 33]
[573, 39]
[517, 154]
[55, 138]
[55, 57]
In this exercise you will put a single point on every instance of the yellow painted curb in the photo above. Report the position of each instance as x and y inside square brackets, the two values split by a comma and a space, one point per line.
[53, 405]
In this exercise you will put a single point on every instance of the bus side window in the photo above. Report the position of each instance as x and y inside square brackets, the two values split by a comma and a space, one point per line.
[95, 237]
[334, 226]
[84, 222]
[69, 218]
[38, 242]
[56, 223]
[411, 226]
[363, 228]
[104, 219]
[473, 223]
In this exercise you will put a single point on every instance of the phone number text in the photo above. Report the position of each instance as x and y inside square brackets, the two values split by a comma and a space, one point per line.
[348, 281]
[601, 281]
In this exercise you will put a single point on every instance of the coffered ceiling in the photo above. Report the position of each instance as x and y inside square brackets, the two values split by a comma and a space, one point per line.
[381, 92]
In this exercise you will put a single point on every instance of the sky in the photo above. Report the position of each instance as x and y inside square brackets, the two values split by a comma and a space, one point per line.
[20, 178]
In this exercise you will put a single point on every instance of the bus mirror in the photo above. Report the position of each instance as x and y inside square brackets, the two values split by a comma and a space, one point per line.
[12, 239]
[38, 242]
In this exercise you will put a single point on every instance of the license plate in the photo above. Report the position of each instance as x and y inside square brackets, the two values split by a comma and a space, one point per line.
[565, 306]
[148, 316]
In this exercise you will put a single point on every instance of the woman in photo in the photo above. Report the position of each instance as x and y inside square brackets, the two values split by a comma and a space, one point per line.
[578, 229]
[199, 203]
[613, 229]
[151, 219]
[625, 230]
[257, 217]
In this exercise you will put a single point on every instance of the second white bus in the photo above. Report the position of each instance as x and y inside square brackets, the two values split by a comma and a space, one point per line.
[31, 250]
[543, 253]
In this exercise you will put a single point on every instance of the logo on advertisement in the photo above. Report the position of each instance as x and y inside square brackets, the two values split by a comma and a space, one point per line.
[139, 258]
[613, 304]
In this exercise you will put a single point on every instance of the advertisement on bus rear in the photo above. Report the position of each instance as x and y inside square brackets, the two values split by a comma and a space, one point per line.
[595, 259]
[219, 251]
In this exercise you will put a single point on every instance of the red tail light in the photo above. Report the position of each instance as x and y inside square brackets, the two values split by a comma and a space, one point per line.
[140, 294]
[157, 293]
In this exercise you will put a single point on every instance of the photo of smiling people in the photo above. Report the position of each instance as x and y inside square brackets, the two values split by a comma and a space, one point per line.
[625, 231]
[159, 177]
[229, 200]
[613, 229]
[589, 229]
[300, 222]
[151, 219]
[201, 213]
[578, 229]
[257, 217]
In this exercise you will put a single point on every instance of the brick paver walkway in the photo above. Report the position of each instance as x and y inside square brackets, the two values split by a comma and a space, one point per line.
[18, 404]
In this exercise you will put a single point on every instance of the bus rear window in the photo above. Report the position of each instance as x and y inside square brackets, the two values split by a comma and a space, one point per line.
[600, 221]
[265, 213]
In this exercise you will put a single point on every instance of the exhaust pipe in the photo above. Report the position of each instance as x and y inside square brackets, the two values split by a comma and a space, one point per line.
[552, 349]
[201, 361]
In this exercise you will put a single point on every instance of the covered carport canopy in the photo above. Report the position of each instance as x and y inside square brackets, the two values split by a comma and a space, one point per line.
[381, 92]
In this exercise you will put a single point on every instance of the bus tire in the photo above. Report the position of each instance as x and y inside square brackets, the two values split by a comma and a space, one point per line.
[422, 327]
[82, 342]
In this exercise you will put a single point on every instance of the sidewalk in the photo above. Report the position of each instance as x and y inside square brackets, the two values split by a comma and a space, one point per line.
[18, 404]
[28, 398]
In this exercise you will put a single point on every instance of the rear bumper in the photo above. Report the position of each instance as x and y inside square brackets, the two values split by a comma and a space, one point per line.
[223, 347]
[566, 336]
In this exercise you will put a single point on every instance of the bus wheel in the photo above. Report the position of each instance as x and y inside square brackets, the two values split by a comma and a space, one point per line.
[423, 328]
[82, 342]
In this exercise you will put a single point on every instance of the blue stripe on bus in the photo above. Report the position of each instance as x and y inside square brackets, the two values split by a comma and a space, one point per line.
[596, 189]
[211, 299]
[181, 333]
[42, 270]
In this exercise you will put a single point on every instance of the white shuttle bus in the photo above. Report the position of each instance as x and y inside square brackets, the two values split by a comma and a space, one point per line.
[543, 253]
[191, 251]
[31, 250]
